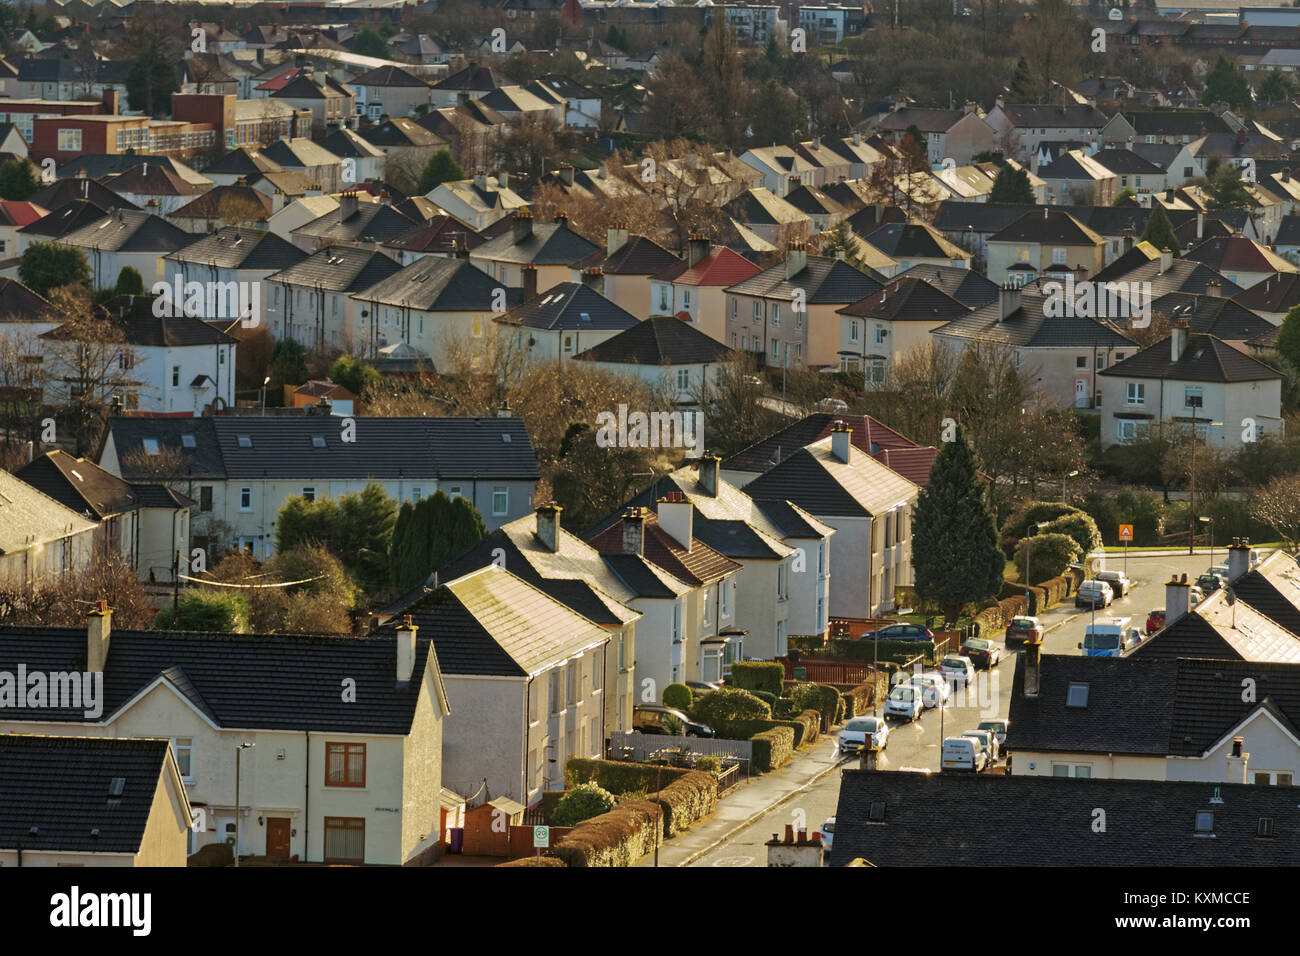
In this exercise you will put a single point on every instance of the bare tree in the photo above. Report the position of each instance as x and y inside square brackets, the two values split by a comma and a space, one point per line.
[1277, 505]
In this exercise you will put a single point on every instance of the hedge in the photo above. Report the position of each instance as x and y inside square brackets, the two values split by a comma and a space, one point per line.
[1057, 589]
[690, 798]
[757, 676]
[866, 650]
[616, 776]
[618, 838]
[812, 720]
[988, 620]
[678, 696]
[857, 700]
[772, 748]
[820, 697]
[1012, 607]
[530, 861]
[746, 729]
[784, 708]
[805, 642]
[765, 697]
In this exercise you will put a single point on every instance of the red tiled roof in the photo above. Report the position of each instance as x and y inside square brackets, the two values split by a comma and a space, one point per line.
[697, 566]
[721, 267]
[278, 81]
[22, 213]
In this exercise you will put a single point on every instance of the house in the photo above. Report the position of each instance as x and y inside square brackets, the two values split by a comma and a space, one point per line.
[119, 803]
[367, 160]
[468, 84]
[14, 215]
[480, 201]
[64, 191]
[959, 135]
[869, 435]
[693, 288]
[331, 103]
[881, 328]
[782, 167]
[1192, 382]
[389, 91]
[822, 211]
[663, 351]
[1134, 171]
[311, 300]
[442, 235]
[407, 147]
[630, 265]
[564, 321]
[1075, 177]
[225, 206]
[359, 220]
[868, 505]
[525, 680]
[518, 104]
[145, 523]
[582, 105]
[322, 765]
[155, 188]
[1243, 261]
[40, 539]
[659, 557]
[23, 310]
[777, 593]
[339, 400]
[831, 165]
[810, 289]
[443, 307]
[126, 238]
[908, 244]
[1022, 128]
[301, 155]
[1048, 241]
[1059, 349]
[243, 469]
[551, 249]
[887, 819]
[1273, 298]
[768, 216]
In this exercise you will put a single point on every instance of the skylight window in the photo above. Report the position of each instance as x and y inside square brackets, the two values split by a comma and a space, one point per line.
[1205, 821]
[877, 812]
[318, 441]
[245, 441]
[187, 440]
[150, 446]
[76, 474]
[505, 437]
[585, 316]
[1077, 696]
[116, 785]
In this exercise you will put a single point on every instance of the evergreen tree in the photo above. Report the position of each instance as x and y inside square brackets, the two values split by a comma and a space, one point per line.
[955, 554]
[1022, 87]
[840, 238]
[129, 282]
[1160, 231]
[1288, 338]
[1276, 88]
[441, 168]
[48, 265]
[370, 43]
[1224, 83]
[18, 180]
[436, 530]
[1012, 186]
[151, 76]
[1227, 191]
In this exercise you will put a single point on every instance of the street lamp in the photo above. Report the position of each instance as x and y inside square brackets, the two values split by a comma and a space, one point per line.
[265, 382]
[1073, 474]
[1195, 402]
[1210, 522]
[239, 752]
[1029, 541]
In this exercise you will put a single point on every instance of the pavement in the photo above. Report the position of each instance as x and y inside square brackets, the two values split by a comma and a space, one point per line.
[750, 801]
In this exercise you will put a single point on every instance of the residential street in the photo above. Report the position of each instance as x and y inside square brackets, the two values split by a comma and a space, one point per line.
[917, 744]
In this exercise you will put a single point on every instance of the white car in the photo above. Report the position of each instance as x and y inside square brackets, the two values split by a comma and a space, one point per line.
[934, 689]
[958, 669]
[862, 732]
[828, 833]
[904, 701]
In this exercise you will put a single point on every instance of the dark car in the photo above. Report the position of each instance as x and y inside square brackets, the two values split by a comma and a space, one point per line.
[650, 719]
[1022, 629]
[899, 632]
[982, 652]
[1209, 583]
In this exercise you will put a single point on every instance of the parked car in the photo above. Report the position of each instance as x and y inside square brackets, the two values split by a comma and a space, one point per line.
[1195, 595]
[702, 685]
[1022, 629]
[899, 632]
[1155, 620]
[957, 668]
[862, 732]
[836, 406]
[987, 741]
[1220, 569]
[828, 833]
[982, 652]
[1109, 637]
[933, 689]
[1209, 583]
[904, 701]
[1118, 581]
[963, 753]
[1093, 593]
[999, 730]
[652, 719]
[1254, 557]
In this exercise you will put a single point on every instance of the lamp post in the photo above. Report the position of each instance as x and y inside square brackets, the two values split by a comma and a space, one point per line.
[1195, 402]
[1210, 522]
[239, 752]
[1029, 542]
[1073, 474]
[265, 382]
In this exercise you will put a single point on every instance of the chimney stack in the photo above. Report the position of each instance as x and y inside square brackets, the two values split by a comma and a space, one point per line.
[709, 474]
[1177, 341]
[523, 224]
[796, 259]
[1177, 593]
[503, 411]
[406, 650]
[1033, 666]
[565, 173]
[615, 238]
[347, 206]
[840, 435]
[1238, 762]
[1008, 300]
[1200, 227]
[595, 278]
[480, 182]
[548, 526]
[676, 516]
[634, 530]
[99, 625]
[530, 281]
[697, 249]
[1238, 559]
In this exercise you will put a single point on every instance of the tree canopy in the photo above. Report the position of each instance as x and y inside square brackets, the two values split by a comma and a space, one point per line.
[1012, 186]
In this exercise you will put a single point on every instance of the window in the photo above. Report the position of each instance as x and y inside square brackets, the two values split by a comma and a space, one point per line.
[776, 348]
[205, 498]
[534, 691]
[1272, 778]
[345, 839]
[1077, 695]
[1081, 361]
[725, 596]
[880, 335]
[876, 371]
[1205, 822]
[776, 314]
[1137, 393]
[184, 748]
[69, 140]
[150, 446]
[454, 492]
[733, 308]
[1071, 770]
[1193, 395]
[1101, 362]
[244, 441]
[781, 578]
[557, 702]
[500, 500]
[309, 494]
[345, 765]
[758, 314]
[317, 441]
[677, 622]
[416, 493]
[853, 331]
[664, 305]
[246, 498]
[683, 378]
[176, 375]
[821, 559]
[571, 682]
[1058, 256]
[568, 344]
[597, 672]
[708, 602]
[596, 748]
[477, 327]
[1128, 430]
[187, 440]
[798, 320]
[686, 299]
[622, 652]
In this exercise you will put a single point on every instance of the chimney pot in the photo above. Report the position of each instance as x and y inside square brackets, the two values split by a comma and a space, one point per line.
[1177, 595]
[840, 438]
[633, 531]
[789, 833]
[406, 649]
[99, 627]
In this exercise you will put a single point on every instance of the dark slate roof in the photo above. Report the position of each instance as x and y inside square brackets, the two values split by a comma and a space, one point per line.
[1125, 162]
[1048, 821]
[65, 220]
[437, 284]
[1175, 122]
[201, 461]
[20, 304]
[638, 256]
[339, 269]
[440, 234]
[905, 240]
[634, 571]
[1222, 318]
[401, 131]
[659, 340]
[735, 538]
[78, 484]
[59, 786]
[244, 161]
[59, 194]
[908, 299]
[296, 686]
[1278, 293]
[391, 75]
[1130, 706]
[1081, 117]
[701, 565]
[346, 144]
[570, 306]
[788, 517]
[814, 202]
[1256, 590]
[1184, 275]
[1048, 225]
[869, 435]
[370, 222]
[822, 280]
[801, 478]
[305, 87]
[1189, 636]
[568, 88]
[471, 78]
[240, 248]
[1206, 358]
[134, 317]
[130, 230]
[967, 287]
[1208, 700]
[240, 203]
[1234, 254]
[463, 646]
[1029, 327]
[548, 244]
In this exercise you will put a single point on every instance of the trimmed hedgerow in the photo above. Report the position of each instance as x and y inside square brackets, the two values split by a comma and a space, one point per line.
[679, 696]
[686, 800]
[772, 748]
[822, 698]
[618, 838]
[765, 697]
[583, 802]
[784, 708]
[812, 722]
[730, 703]
[857, 701]
[530, 861]
[758, 676]
[619, 776]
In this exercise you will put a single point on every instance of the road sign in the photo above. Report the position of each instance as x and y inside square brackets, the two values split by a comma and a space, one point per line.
[1126, 532]
[541, 837]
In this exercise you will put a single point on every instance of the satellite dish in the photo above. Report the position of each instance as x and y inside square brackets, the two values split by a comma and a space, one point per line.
[1115, 13]
[1230, 596]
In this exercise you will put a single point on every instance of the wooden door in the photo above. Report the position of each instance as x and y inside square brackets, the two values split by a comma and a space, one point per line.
[277, 838]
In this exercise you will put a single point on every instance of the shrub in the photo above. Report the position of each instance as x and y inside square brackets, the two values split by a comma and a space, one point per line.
[889, 650]
[1033, 512]
[1050, 555]
[207, 610]
[1012, 607]
[617, 838]
[857, 701]
[765, 697]
[784, 708]
[758, 676]
[1079, 526]
[812, 723]
[214, 854]
[772, 748]
[730, 703]
[988, 620]
[709, 765]
[530, 861]
[619, 776]
[819, 697]
[583, 802]
[679, 696]
[687, 799]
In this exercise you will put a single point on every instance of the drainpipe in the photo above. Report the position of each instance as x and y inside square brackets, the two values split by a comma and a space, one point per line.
[528, 702]
[306, 799]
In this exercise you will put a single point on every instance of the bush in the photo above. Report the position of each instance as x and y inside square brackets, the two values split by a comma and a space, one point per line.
[819, 697]
[207, 610]
[730, 703]
[889, 650]
[709, 765]
[765, 697]
[1050, 555]
[857, 701]
[1033, 512]
[679, 696]
[784, 708]
[530, 861]
[811, 720]
[687, 799]
[618, 776]
[1079, 526]
[583, 802]
[758, 676]
[1012, 607]
[618, 838]
[988, 620]
[772, 748]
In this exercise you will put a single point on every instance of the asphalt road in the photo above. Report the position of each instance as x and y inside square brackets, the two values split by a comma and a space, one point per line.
[916, 744]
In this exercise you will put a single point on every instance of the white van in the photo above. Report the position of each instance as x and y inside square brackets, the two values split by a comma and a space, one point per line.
[1109, 637]
[963, 753]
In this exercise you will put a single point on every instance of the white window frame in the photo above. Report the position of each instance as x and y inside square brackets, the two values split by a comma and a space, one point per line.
[1137, 393]
[246, 494]
[503, 492]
